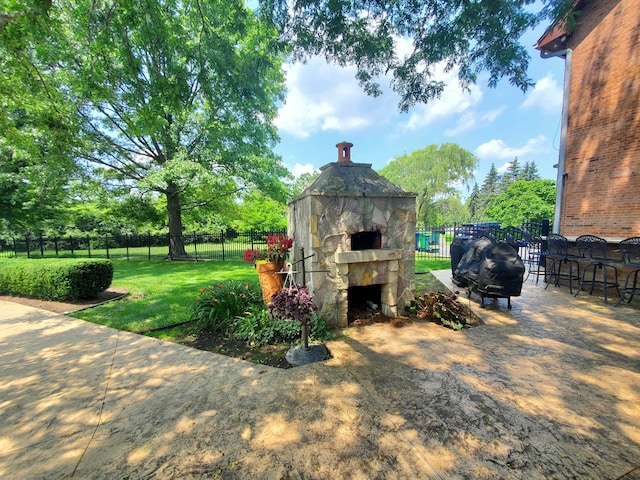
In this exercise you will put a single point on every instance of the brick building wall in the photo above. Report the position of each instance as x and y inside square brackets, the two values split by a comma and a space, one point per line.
[601, 185]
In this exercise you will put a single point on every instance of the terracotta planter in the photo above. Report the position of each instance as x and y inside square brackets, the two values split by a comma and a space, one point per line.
[270, 281]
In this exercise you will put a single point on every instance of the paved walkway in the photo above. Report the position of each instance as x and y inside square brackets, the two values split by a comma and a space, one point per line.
[549, 389]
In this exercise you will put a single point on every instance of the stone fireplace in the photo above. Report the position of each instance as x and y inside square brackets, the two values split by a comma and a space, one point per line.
[360, 230]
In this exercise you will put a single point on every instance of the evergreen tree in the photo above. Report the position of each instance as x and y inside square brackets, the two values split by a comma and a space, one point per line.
[491, 185]
[513, 173]
[474, 203]
[530, 172]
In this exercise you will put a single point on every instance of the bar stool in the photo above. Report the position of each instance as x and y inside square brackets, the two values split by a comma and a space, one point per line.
[535, 256]
[630, 248]
[558, 253]
[593, 254]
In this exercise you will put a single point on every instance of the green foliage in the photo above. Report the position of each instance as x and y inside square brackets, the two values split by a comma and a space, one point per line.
[38, 132]
[172, 97]
[495, 185]
[302, 182]
[293, 304]
[434, 173]
[523, 201]
[258, 328]
[442, 308]
[261, 213]
[162, 293]
[57, 279]
[217, 306]
[471, 37]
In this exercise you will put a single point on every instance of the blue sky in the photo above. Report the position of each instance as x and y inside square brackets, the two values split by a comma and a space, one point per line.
[325, 105]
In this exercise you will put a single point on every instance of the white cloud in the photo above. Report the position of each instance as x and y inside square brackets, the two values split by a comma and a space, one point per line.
[497, 149]
[454, 100]
[470, 119]
[546, 95]
[323, 97]
[299, 169]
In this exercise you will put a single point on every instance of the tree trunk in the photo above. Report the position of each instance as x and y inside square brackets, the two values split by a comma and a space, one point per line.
[176, 241]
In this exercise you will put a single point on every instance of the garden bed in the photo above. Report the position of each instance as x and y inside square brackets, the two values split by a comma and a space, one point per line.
[271, 355]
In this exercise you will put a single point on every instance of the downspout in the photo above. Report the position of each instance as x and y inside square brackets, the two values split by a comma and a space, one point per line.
[561, 175]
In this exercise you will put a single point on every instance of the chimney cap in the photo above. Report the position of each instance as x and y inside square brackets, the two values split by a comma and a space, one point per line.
[344, 152]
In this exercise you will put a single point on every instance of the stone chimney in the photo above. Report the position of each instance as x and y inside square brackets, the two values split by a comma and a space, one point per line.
[344, 152]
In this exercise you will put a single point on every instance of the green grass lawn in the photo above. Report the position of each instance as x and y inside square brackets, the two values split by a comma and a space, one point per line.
[161, 292]
[434, 264]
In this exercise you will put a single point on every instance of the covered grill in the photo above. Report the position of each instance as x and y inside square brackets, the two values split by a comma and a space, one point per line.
[491, 269]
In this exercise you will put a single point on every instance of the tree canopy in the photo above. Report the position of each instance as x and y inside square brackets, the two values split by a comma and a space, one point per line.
[435, 173]
[174, 97]
[174, 100]
[523, 201]
[471, 37]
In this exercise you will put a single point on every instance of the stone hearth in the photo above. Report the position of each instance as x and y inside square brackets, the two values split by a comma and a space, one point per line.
[349, 202]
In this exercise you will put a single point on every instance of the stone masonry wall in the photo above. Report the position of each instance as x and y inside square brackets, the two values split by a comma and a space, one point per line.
[322, 225]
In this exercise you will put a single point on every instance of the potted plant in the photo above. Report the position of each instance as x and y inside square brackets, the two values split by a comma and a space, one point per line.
[270, 264]
[296, 304]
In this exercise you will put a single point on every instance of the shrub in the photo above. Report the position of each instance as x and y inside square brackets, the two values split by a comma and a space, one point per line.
[257, 328]
[56, 279]
[217, 306]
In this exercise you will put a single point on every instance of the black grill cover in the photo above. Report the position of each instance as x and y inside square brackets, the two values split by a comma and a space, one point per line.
[495, 268]
[457, 249]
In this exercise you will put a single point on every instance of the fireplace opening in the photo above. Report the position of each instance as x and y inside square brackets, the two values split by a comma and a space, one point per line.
[366, 240]
[364, 300]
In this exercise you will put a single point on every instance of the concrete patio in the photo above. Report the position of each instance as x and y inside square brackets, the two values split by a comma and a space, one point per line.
[549, 389]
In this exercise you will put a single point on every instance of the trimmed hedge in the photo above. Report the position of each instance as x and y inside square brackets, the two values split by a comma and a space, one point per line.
[55, 279]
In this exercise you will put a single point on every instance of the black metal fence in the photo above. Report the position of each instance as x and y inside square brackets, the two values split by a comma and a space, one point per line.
[430, 243]
[229, 245]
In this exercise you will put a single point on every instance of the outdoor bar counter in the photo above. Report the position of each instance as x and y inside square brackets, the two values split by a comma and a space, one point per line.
[613, 258]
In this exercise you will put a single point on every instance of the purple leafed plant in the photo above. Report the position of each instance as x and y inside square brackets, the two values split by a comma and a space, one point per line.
[293, 304]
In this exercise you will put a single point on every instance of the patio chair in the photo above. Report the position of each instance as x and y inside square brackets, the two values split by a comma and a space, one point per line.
[630, 248]
[558, 253]
[534, 256]
[593, 255]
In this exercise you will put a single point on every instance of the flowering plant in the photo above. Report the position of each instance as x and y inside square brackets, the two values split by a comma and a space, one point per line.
[293, 304]
[277, 248]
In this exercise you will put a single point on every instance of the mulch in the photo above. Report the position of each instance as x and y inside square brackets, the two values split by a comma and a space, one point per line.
[112, 293]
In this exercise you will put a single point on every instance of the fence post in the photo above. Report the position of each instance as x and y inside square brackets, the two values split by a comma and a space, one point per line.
[55, 244]
[545, 227]
[195, 245]
[15, 247]
[149, 245]
[41, 245]
[222, 243]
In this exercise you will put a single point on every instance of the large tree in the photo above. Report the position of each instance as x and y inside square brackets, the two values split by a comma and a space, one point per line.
[175, 97]
[434, 173]
[523, 201]
[37, 128]
[471, 36]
